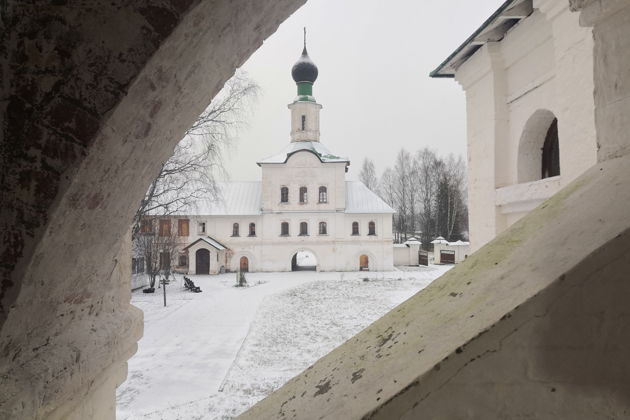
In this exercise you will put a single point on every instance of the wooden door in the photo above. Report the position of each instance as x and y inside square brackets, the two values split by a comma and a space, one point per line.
[244, 264]
[423, 258]
[364, 263]
[447, 257]
[202, 261]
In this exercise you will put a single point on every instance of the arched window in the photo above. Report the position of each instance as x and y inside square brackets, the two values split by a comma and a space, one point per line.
[284, 195]
[303, 195]
[235, 229]
[252, 229]
[323, 195]
[355, 228]
[371, 228]
[551, 152]
[539, 149]
[303, 229]
[284, 229]
[323, 228]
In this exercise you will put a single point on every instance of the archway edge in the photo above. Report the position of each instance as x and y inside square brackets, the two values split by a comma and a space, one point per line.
[303, 249]
[529, 158]
[120, 141]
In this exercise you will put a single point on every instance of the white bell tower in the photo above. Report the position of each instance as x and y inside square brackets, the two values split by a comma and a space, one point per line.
[304, 109]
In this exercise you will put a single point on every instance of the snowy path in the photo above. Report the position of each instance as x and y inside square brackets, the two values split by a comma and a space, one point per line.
[276, 329]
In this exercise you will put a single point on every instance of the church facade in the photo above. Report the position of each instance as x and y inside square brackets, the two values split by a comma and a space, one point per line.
[302, 204]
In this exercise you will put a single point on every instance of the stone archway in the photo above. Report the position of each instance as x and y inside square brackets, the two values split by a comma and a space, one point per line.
[94, 100]
[304, 260]
[540, 135]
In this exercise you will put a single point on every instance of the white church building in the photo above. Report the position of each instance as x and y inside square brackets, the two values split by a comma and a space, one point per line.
[303, 203]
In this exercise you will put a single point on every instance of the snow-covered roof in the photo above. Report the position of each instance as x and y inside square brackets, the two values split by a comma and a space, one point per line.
[459, 243]
[400, 246]
[413, 240]
[210, 241]
[439, 240]
[360, 199]
[314, 147]
[235, 199]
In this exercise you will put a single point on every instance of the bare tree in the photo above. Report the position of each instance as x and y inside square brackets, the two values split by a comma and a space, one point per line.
[158, 247]
[368, 175]
[428, 193]
[197, 161]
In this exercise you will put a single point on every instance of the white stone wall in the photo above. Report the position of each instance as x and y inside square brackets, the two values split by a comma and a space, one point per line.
[304, 169]
[310, 110]
[338, 250]
[539, 65]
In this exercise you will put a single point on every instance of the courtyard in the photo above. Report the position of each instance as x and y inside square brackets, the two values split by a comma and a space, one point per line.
[212, 355]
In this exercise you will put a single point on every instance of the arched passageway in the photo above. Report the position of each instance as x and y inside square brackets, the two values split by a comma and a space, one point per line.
[202, 261]
[304, 261]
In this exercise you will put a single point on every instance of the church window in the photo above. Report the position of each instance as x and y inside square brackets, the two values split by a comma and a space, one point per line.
[323, 195]
[323, 228]
[303, 195]
[303, 122]
[252, 229]
[235, 229]
[146, 226]
[551, 152]
[303, 229]
[201, 227]
[182, 260]
[284, 229]
[355, 228]
[284, 195]
[165, 227]
[182, 227]
[371, 228]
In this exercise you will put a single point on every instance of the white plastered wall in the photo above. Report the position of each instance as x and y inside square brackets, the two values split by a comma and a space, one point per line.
[537, 66]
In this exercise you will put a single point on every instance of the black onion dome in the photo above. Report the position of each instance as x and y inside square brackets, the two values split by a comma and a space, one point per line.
[304, 70]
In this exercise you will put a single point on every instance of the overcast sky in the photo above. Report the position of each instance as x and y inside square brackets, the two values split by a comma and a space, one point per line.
[374, 58]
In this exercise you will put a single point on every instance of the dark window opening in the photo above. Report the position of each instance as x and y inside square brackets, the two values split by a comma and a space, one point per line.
[303, 122]
[284, 229]
[372, 228]
[323, 229]
[235, 229]
[303, 195]
[303, 229]
[183, 260]
[284, 195]
[355, 228]
[252, 229]
[551, 152]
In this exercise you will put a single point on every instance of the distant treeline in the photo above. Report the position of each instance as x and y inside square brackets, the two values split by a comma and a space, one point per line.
[428, 193]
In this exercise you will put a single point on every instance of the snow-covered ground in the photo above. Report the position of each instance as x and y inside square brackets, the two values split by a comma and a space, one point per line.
[212, 355]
